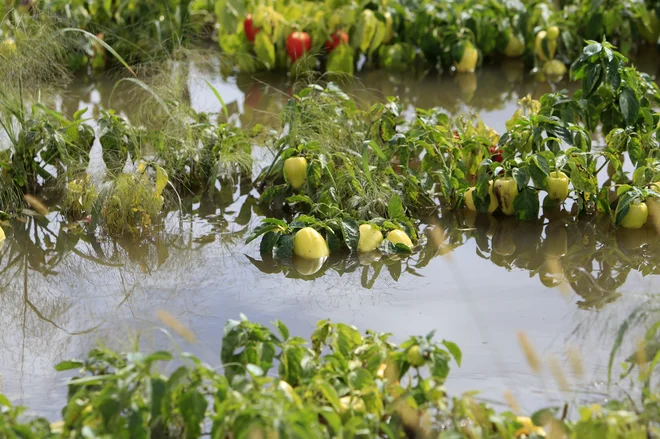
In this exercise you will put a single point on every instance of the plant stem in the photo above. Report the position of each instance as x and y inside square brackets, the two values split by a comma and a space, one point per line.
[601, 167]
[272, 164]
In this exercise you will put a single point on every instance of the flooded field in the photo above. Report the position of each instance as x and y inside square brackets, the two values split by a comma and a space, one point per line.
[479, 284]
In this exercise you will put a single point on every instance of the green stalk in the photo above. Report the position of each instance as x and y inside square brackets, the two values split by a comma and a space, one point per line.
[184, 15]
[272, 164]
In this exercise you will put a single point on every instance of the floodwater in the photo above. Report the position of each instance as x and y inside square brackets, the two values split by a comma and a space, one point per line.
[478, 284]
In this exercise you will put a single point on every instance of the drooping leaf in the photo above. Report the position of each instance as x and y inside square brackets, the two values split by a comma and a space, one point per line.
[629, 105]
[350, 230]
[395, 208]
[454, 350]
[623, 207]
[526, 204]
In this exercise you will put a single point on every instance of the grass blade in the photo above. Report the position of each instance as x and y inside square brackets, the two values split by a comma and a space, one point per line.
[145, 87]
[217, 95]
[102, 43]
[619, 339]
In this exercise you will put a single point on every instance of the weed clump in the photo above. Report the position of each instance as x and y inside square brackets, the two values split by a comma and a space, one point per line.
[81, 194]
[32, 53]
[133, 202]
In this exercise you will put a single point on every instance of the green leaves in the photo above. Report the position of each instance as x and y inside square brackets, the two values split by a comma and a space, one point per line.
[346, 382]
[268, 225]
[526, 204]
[350, 230]
[341, 60]
[539, 170]
[246, 343]
[284, 247]
[68, 365]
[629, 105]
[395, 210]
[521, 175]
[192, 406]
[623, 207]
[582, 179]
[265, 49]
[593, 79]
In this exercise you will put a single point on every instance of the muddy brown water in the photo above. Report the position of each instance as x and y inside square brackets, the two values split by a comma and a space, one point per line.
[478, 284]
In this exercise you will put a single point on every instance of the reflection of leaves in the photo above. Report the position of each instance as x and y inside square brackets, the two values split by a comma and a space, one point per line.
[365, 281]
[268, 266]
[623, 207]
[394, 267]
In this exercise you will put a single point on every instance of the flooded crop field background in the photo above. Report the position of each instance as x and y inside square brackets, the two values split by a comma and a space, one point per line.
[479, 282]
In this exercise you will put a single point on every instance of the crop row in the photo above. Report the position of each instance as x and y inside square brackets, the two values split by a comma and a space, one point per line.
[342, 35]
[339, 384]
[347, 178]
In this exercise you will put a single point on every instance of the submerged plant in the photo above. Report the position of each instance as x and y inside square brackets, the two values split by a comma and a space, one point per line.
[81, 195]
[39, 145]
[131, 203]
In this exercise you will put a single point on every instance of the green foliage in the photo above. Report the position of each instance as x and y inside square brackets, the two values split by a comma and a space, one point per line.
[132, 202]
[40, 144]
[81, 195]
[393, 35]
[11, 427]
[382, 169]
[339, 384]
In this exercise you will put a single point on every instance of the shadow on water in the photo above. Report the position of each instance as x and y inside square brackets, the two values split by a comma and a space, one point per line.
[477, 280]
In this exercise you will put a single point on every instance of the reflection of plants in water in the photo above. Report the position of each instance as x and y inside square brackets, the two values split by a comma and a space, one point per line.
[591, 257]
[29, 313]
[47, 268]
[371, 267]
